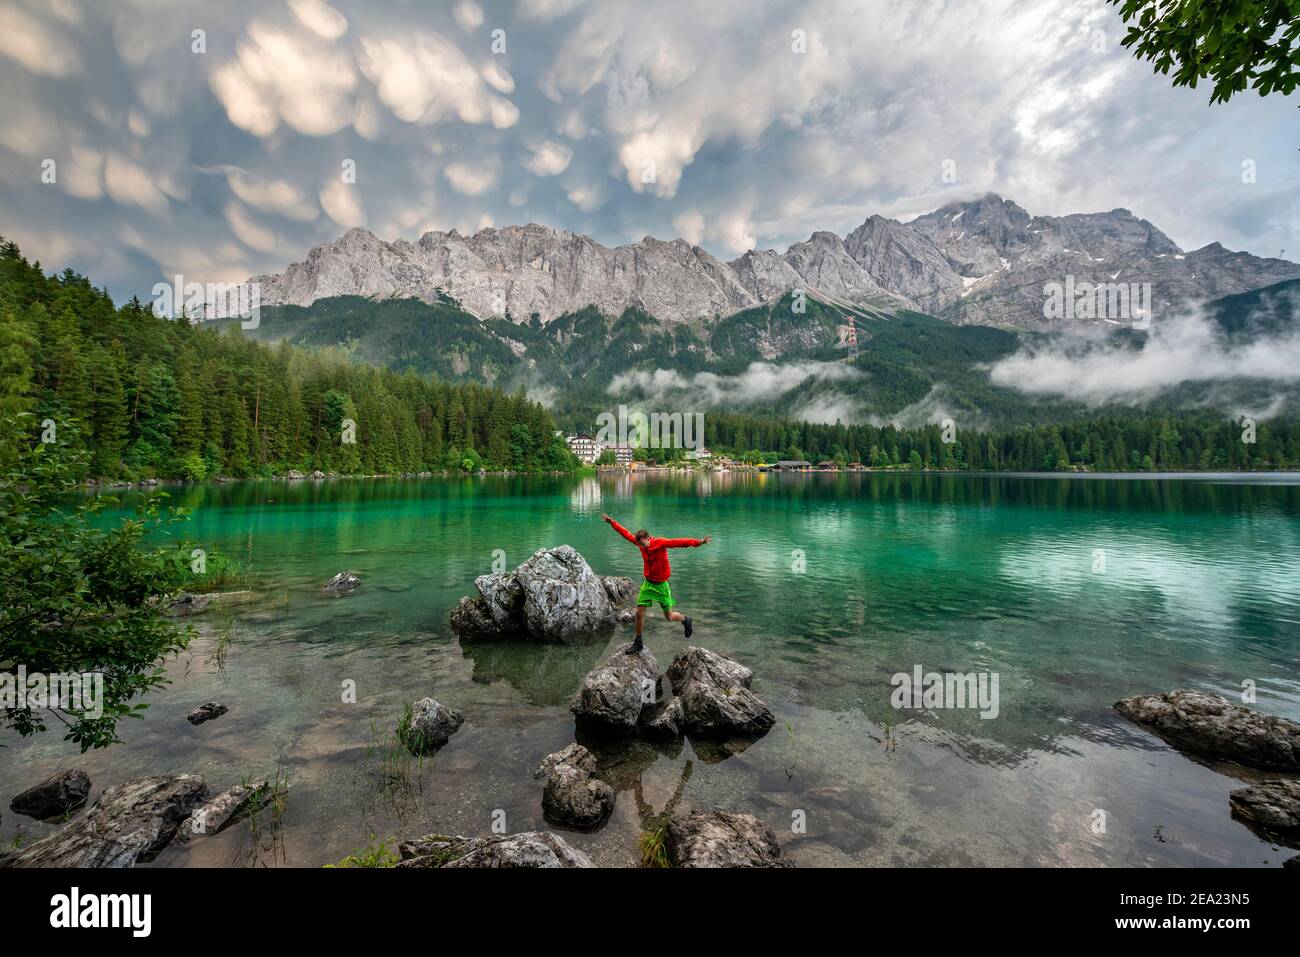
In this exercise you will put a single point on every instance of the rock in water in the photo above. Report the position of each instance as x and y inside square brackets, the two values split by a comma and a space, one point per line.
[619, 588]
[715, 696]
[614, 695]
[131, 822]
[342, 583]
[206, 712]
[1215, 727]
[1273, 806]
[563, 597]
[573, 794]
[503, 597]
[221, 810]
[471, 619]
[54, 797]
[190, 603]
[527, 849]
[554, 596]
[721, 839]
[432, 724]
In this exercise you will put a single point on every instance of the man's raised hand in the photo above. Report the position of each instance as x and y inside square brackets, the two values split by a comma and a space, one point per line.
[706, 539]
[606, 518]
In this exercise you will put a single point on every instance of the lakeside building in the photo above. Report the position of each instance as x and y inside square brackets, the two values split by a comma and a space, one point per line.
[792, 465]
[584, 446]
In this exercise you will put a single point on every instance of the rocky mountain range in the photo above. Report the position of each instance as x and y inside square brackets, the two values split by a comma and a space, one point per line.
[980, 262]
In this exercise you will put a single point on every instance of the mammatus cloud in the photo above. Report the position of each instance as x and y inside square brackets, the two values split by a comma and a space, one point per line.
[733, 124]
[1185, 348]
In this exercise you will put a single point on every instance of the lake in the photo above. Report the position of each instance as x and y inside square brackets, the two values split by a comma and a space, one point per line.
[1076, 591]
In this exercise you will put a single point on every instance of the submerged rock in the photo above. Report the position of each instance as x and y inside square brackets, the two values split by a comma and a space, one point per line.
[715, 696]
[614, 695]
[193, 603]
[342, 583]
[573, 794]
[1215, 727]
[526, 849]
[431, 725]
[221, 810]
[206, 712]
[553, 596]
[1272, 806]
[664, 721]
[721, 839]
[131, 822]
[54, 797]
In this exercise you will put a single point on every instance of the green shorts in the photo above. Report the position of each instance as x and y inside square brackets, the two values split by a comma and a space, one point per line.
[652, 592]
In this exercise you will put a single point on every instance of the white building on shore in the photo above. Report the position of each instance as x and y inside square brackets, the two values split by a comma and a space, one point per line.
[584, 446]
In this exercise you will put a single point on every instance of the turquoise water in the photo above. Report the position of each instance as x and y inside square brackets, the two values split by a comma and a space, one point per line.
[825, 585]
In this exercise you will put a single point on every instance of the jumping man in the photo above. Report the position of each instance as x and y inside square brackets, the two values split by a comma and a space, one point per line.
[654, 560]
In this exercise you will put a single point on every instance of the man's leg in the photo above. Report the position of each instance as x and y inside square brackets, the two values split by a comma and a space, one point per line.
[637, 645]
[673, 615]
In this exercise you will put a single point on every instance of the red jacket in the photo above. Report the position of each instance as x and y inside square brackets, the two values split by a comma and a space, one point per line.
[654, 557]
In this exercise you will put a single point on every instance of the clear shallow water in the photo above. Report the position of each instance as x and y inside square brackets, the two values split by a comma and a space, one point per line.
[950, 572]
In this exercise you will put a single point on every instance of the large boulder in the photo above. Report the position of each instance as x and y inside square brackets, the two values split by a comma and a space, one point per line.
[1272, 806]
[431, 725]
[573, 794]
[614, 695]
[54, 797]
[563, 597]
[554, 596]
[526, 849]
[131, 822]
[721, 839]
[715, 696]
[1213, 726]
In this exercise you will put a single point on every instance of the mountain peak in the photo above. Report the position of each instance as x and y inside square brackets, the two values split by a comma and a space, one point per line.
[982, 260]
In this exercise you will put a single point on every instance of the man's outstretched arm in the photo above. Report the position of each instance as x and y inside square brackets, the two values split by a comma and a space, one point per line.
[686, 542]
[619, 528]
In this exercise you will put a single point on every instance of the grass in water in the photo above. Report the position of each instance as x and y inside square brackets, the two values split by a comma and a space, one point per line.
[654, 853]
[396, 764]
[375, 855]
[225, 638]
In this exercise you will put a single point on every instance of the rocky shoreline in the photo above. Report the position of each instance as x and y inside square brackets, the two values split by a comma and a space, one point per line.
[702, 696]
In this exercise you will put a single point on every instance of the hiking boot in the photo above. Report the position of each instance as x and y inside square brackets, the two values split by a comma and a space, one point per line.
[635, 648]
[686, 624]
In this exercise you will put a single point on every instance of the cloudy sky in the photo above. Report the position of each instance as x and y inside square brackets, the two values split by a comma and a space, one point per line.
[732, 123]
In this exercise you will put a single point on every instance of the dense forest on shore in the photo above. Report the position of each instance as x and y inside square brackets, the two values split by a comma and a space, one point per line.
[1192, 441]
[159, 398]
[155, 397]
